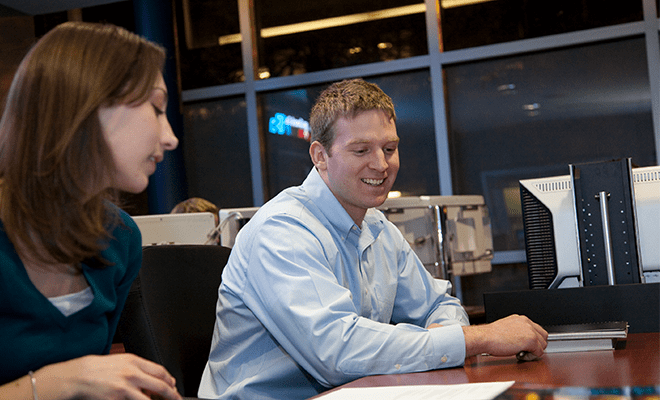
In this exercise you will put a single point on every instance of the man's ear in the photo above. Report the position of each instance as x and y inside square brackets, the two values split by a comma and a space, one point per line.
[319, 155]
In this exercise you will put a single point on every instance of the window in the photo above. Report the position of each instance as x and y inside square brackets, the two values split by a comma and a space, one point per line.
[295, 37]
[531, 115]
[216, 152]
[203, 60]
[471, 23]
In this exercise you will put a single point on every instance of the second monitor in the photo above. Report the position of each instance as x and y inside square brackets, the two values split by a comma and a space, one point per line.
[599, 225]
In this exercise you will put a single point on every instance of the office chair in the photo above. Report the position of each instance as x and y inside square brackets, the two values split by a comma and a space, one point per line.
[170, 310]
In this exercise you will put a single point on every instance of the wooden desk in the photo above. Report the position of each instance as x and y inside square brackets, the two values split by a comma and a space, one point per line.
[638, 364]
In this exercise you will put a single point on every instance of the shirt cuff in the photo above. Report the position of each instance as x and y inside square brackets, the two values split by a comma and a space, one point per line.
[448, 345]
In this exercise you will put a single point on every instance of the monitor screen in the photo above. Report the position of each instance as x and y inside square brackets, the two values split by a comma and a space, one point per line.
[186, 228]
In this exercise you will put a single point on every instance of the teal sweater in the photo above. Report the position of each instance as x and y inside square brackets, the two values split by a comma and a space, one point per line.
[33, 333]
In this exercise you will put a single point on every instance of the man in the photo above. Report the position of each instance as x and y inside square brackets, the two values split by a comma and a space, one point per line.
[321, 289]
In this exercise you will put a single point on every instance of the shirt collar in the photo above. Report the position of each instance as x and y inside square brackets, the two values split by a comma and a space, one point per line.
[321, 195]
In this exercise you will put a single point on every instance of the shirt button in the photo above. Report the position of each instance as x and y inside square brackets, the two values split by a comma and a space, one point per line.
[397, 366]
[444, 359]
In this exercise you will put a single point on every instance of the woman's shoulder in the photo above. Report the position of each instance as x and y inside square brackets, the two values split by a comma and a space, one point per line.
[124, 231]
[120, 218]
[124, 248]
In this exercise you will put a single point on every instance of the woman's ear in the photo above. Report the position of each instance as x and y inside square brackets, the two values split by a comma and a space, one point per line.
[318, 155]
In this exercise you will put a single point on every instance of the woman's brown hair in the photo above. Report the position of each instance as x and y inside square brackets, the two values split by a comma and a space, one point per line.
[55, 165]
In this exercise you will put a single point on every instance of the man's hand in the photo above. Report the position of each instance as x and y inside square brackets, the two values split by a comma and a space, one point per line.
[506, 337]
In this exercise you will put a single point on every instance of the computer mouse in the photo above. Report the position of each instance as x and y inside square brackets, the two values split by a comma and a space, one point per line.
[526, 356]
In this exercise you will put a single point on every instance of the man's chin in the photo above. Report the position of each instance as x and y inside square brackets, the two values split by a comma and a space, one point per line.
[377, 201]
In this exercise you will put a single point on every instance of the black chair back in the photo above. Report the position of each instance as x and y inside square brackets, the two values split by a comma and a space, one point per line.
[170, 311]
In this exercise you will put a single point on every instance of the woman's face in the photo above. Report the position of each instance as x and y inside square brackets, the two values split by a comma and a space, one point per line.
[138, 137]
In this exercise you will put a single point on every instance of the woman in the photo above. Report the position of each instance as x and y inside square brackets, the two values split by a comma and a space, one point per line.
[85, 118]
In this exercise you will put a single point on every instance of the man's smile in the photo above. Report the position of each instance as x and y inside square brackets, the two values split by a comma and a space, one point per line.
[373, 182]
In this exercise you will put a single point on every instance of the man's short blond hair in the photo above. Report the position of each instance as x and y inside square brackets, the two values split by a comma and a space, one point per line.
[345, 99]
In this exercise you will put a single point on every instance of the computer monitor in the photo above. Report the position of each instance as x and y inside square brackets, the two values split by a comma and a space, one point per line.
[451, 235]
[231, 221]
[186, 228]
[569, 233]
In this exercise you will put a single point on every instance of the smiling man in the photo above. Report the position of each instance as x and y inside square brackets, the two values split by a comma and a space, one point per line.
[320, 289]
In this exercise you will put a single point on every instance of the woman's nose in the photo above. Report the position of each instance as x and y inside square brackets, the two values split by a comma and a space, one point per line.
[169, 139]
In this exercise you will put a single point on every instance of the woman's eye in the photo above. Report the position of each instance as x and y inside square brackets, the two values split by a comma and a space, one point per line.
[158, 110]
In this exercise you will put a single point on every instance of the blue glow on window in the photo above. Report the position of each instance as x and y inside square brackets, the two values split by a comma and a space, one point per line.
[282, 124]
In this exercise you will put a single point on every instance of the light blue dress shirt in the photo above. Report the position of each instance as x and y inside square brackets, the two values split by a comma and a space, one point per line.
[309, 300]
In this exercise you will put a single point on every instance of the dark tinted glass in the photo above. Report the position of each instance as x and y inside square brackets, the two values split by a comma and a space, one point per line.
[119, 13]
[216, 152]
[200, 26]
[285, 129]
[16, 39]
[497, 21]
[330, 34]
[532, 115]
[287, 156]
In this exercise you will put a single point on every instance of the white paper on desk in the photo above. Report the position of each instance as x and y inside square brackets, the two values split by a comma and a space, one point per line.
[472, 391]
